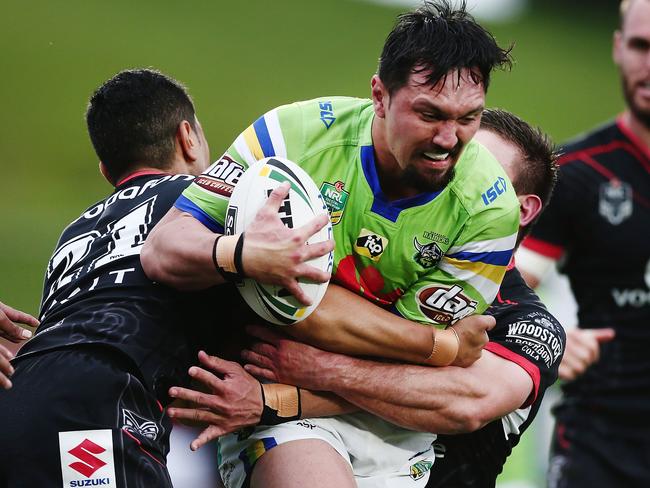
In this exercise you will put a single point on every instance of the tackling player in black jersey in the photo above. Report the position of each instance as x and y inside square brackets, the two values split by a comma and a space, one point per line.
[597, 227]
[87, 405]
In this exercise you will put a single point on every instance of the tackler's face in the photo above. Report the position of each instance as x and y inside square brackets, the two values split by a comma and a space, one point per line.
[632, 56]
[427, 127]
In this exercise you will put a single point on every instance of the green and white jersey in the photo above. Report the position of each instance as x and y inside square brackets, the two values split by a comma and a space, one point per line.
[433, 258]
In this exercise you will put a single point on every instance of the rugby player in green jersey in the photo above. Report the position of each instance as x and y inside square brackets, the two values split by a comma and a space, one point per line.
[426, 220]
[494, 395]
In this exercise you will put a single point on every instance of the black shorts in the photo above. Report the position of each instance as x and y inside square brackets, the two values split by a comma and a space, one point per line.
[588, 451]
[79, 417]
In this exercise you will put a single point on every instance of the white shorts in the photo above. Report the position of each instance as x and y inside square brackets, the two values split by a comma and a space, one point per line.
[381, 454]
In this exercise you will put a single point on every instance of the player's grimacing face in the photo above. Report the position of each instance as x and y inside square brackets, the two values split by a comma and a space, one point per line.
[427, 127]
[632, 56]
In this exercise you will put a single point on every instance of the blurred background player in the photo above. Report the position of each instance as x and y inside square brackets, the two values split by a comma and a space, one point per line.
[597, 227]
[9, 317]
[90, 386]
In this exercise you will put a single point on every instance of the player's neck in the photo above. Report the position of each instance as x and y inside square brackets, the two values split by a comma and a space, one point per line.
[388, 169]
[640, 130]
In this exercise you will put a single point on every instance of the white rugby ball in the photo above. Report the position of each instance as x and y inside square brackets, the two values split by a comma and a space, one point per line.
[274, 303]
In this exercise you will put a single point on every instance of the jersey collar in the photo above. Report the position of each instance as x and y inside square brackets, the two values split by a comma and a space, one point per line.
[142, 172]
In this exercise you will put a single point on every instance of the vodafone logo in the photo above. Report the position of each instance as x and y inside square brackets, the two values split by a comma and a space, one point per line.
[87, 463]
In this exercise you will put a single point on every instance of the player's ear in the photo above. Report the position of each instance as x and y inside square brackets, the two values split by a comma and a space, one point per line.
[187, 140]
[379, 96]
[104, 171]
[529, 207]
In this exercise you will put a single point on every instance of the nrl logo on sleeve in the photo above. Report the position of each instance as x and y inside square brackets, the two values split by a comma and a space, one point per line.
[428, 255]
[615, 201]
[335, 198]
[444, 304]
[370, 245]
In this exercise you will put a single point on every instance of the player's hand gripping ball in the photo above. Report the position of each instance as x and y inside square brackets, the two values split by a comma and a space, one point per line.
[271, 302]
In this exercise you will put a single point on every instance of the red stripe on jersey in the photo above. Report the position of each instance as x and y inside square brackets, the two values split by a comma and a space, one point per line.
[137, 441]
[142, 172]
[530, 368]
[638, 144]
[544, 248]
[584, 157]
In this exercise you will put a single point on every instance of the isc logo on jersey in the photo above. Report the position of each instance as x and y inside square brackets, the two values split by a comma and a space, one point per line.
[444, 304]
[498, 188]
[304, 201]
[87, 458]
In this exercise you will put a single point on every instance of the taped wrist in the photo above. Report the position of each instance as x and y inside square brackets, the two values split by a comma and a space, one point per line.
[227, 256]
[281, 404]
[446, 344]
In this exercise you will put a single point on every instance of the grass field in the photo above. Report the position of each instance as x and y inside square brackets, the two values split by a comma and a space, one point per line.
[238, 59]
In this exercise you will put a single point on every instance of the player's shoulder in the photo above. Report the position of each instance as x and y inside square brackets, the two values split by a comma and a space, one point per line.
[594, 142]
[326, 121]
[481, 184]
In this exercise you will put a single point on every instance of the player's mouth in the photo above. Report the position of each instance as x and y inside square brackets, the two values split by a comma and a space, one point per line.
[438, 159]
[643, 89]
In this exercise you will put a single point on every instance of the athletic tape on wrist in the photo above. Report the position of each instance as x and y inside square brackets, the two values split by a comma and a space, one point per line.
[281, 404]
[446, 344]
[227, 256]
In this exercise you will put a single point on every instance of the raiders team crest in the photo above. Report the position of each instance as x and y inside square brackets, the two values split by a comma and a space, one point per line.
[615, 201]
[427, 255]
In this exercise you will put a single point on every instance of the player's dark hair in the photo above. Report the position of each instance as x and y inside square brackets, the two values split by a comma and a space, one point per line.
[538, 172]
[436, 39]
[133, 118]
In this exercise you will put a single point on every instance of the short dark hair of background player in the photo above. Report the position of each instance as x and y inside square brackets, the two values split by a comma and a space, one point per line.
[157, 105]
[538, 173]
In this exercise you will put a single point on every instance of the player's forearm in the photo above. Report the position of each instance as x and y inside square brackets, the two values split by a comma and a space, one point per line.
[361, 328]
[178, 253]
[441, 400]
[323, 404]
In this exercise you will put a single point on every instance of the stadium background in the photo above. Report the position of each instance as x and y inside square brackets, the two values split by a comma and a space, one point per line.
[238, 60]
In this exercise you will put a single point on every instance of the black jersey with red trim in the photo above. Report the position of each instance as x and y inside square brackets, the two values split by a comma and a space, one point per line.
[96, 291]
[527, 334]
[598, 223]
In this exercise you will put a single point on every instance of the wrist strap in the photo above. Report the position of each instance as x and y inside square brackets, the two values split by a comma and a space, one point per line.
[227, 258]
[281, 404]
[446, 344]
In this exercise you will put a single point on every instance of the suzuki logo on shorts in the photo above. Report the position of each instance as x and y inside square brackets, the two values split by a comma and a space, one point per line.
[85, 453]
[87, 458]
[491, 194]
[443, 304]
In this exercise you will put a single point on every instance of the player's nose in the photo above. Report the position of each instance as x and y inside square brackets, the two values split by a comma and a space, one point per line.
[445, 135]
